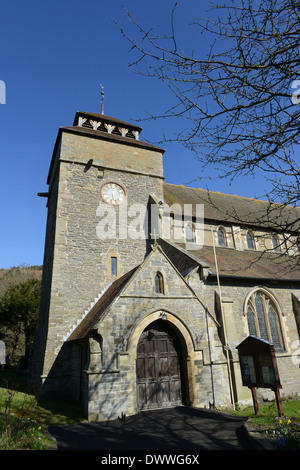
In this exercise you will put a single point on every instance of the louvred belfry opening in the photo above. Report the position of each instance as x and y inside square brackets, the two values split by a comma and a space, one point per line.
[159, 367]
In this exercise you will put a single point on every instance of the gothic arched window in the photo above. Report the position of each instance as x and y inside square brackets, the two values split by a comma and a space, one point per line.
[159, 283]
[275, 243]
[250, 241]
[221, 237]
[190, 233]
[263, 316]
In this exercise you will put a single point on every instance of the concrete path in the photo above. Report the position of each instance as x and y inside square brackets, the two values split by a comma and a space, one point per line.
[180, 428]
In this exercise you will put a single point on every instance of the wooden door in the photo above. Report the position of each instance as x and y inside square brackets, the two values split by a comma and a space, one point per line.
[158, 368]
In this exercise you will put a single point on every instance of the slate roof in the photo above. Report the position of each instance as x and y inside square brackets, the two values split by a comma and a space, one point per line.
[235, 209]
[84, 329]
[252, 264]
[232, 263]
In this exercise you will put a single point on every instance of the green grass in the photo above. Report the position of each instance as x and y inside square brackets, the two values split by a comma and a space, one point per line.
[268, 417]
[282, 431]
[24, 417]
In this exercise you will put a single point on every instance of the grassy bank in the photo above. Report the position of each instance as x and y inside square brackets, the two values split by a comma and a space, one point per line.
[24, 417]
[282, 431]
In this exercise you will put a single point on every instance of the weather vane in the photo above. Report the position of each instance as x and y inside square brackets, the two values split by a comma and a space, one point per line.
[102, 99]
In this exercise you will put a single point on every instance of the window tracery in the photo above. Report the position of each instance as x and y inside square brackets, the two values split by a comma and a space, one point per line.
[263, 317]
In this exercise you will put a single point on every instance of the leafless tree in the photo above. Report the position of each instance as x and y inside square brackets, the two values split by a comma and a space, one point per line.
[241, 99]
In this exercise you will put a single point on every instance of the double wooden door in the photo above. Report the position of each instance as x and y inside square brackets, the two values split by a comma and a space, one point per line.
[158, 368]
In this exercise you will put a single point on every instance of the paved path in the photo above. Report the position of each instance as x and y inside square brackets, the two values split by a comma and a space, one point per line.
[180, 428]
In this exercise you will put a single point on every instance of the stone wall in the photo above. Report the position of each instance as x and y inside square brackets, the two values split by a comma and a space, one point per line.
[112, 379]
[101, 370]
[233, 294]
[76, 258]
[194, 313]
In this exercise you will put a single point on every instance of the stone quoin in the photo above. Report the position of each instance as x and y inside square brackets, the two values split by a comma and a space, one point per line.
[128, 323]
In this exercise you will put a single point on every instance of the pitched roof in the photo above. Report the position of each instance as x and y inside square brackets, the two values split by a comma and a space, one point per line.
[104, 118]
[249, 264]
[101, 133]
[235, 209]
[84, 329]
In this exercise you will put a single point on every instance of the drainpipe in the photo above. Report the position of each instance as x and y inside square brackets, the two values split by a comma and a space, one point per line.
[226, 346]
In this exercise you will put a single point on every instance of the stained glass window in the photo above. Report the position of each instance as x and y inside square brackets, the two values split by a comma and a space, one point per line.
[274, 326]
[263, 319]
[251, 322]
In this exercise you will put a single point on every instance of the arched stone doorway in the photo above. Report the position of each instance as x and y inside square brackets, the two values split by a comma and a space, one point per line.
[160, 367]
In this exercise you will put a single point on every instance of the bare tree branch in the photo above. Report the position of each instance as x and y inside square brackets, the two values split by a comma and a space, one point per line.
[237, 99]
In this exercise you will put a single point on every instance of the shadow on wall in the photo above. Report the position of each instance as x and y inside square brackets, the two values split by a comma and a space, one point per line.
[71, 378]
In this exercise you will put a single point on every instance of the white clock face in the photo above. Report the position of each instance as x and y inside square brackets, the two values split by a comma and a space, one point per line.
[113, 193]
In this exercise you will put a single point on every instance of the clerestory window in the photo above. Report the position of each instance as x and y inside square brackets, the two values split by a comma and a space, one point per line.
[275, 243]
[222, 241]
[250, 241]
[190, 235]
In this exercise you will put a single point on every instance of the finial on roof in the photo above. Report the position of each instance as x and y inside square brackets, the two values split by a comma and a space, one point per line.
[102, 99]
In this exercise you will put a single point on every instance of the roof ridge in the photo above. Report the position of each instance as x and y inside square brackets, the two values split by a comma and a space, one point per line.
[222, 194]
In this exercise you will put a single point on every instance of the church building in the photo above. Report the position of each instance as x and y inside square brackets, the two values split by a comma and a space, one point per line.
[149, 287]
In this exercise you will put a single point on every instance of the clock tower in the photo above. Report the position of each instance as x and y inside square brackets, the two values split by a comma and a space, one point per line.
[113, 193]
[102, 180]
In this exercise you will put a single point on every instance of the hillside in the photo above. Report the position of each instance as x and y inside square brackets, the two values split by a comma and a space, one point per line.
[15, 275]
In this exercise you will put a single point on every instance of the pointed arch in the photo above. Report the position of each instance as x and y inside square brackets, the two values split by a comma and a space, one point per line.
[190, 233]
[221, 234]
[275, 243]
[185, 337]
[159, 283]
[264, 317]
[250, 240]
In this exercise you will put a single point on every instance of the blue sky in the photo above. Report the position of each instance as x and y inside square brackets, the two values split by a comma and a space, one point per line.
[54, 55]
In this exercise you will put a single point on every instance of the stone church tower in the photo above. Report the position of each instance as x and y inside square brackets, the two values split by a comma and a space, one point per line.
[101, 177]
[142, 308]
